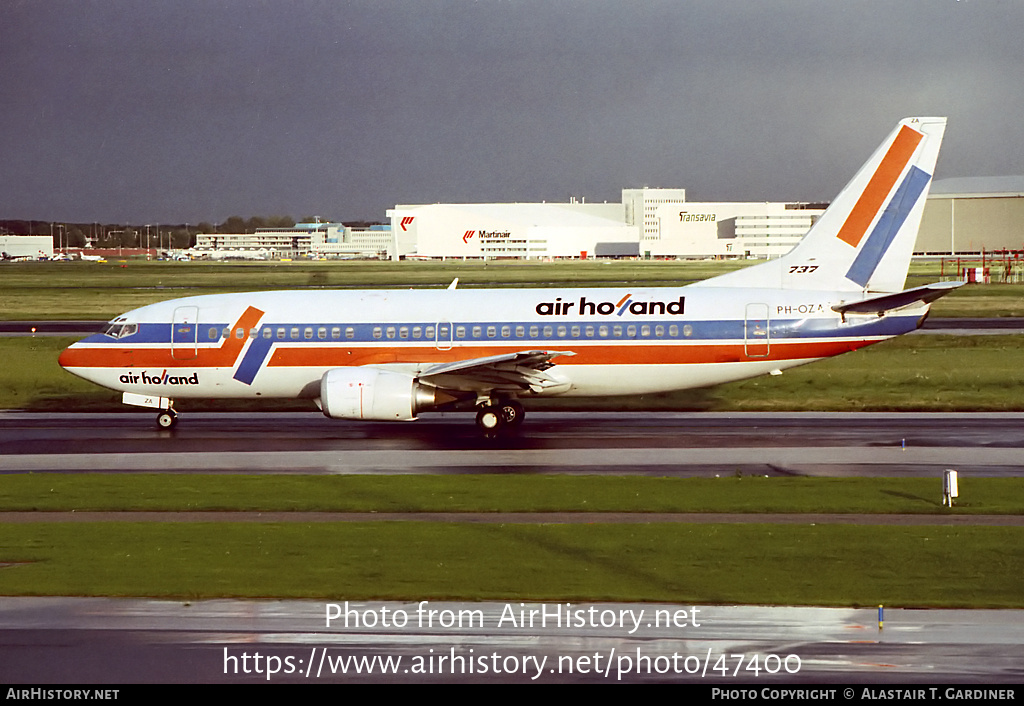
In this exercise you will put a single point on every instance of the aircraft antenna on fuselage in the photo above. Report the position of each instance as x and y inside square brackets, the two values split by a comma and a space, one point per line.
[454, 284]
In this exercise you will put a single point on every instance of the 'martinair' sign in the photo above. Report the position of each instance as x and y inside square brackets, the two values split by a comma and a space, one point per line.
[625, 305]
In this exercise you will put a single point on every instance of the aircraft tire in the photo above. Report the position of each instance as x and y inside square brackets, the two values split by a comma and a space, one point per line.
[166, 419]
[489, 419]
[512, 413]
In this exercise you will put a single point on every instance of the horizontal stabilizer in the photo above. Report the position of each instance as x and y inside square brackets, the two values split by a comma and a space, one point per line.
[887, 302]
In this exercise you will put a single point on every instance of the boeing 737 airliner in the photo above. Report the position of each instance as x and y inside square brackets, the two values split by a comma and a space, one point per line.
[391, 354]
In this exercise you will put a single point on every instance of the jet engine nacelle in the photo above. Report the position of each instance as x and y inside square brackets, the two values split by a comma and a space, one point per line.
[370, 393]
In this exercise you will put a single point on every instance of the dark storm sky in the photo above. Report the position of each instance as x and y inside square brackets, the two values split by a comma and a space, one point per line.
[196, 110]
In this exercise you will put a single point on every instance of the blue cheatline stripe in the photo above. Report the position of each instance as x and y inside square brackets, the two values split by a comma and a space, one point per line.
[782, 327]
[253, 360]
[888, 226]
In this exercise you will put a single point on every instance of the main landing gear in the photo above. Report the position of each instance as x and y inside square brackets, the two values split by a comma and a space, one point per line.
[500, 414]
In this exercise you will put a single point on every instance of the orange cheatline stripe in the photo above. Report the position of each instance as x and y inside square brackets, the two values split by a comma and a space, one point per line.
[325, 356]
[881, 183]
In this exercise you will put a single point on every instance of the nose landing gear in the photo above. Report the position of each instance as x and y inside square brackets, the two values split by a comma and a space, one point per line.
[167, 419]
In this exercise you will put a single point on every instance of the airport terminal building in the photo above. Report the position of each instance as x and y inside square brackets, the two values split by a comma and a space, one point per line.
[316, 240]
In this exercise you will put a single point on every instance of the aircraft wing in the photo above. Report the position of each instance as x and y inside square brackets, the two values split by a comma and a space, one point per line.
[508, 371]
[887, 302]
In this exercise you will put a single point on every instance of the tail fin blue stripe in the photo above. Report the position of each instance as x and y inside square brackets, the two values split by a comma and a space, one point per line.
[888, 226]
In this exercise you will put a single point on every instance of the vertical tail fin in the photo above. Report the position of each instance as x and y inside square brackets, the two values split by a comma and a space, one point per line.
[864, 241]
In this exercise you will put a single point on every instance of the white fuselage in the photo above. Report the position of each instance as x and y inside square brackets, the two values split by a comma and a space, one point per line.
[622, 340]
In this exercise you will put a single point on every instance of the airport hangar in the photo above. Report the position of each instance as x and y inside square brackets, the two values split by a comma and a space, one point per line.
[970, 215]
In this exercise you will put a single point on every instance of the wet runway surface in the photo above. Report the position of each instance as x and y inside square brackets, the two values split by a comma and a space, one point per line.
[96, 640]
[677, 444]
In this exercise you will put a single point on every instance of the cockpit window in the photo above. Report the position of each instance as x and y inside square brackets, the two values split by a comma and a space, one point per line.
[121, 330]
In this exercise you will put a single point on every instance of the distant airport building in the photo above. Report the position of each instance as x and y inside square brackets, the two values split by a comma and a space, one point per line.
[528, 231]
[642, 209]
[648, 223]
[971, 214]
[35, 247]
[727, 229]
[328, 240]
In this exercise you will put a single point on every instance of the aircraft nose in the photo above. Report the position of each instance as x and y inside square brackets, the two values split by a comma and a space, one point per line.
[71, 359]
[67, 358]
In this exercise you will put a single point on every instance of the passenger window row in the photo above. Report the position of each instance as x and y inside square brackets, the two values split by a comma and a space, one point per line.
[462, 332]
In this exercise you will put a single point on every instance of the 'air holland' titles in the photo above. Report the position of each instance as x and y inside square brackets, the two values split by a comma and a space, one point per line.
[626, 304]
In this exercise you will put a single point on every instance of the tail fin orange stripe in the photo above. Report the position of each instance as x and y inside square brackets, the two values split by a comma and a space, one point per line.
[881, 184]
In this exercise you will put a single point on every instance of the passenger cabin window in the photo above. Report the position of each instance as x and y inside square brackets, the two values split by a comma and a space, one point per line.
[321, 333]
[268, 332]
[350, 332]
[212, 333]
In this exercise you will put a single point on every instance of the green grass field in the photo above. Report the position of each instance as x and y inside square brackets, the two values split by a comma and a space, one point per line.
[701, 564]
[473, 493]
[815, 564]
